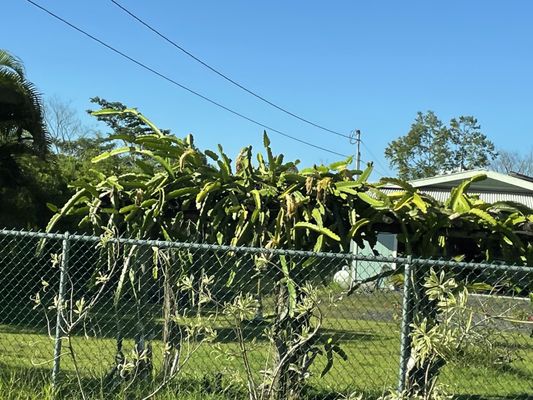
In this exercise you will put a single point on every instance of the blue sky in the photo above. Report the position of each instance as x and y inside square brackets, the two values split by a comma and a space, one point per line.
[343, 64]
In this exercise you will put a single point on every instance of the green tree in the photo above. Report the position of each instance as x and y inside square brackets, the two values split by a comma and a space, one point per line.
[26, 179]
[74, 158]
[431, 148]
[22, 129]
[24, 205]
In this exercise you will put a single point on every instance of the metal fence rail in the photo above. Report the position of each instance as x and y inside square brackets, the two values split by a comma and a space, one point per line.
[97, 318]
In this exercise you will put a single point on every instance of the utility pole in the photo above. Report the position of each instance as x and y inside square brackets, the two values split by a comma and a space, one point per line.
[354, 248]
[358, 142]
[355, 138]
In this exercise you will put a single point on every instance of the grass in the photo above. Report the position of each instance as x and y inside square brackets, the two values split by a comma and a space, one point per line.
[364, 324]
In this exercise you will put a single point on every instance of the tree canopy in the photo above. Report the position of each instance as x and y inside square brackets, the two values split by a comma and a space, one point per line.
[21, 111]
[29, 180]
[25, 180]
[431, 147]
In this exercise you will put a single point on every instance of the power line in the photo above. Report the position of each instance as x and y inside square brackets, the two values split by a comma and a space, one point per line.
[375, 158]
[355, 138]
[374, 168]
[161, 75]
[222, 75]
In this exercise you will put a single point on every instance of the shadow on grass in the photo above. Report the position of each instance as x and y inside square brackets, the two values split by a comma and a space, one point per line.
[256, 331]
[519, 373]
[526, 344]
[252, 330]
[343, 335]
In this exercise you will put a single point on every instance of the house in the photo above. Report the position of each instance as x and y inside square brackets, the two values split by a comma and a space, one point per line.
[496, 187]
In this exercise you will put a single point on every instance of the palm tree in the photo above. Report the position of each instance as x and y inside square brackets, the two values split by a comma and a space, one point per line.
[22, 127]
[24, 145]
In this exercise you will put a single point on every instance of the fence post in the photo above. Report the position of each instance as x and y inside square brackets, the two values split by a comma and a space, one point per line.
[407, 317]
[63, 269]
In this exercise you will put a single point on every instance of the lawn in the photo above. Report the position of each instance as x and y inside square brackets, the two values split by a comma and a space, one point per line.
[367, 327]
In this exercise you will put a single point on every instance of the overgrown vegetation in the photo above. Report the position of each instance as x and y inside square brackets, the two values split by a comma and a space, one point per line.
[144, 183]
[174, 191]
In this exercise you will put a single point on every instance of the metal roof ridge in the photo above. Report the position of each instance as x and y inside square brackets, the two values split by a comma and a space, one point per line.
[461, 175]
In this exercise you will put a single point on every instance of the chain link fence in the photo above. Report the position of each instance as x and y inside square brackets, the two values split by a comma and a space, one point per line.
[98, 318]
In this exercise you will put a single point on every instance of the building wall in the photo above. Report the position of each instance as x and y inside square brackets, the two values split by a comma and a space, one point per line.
[386, 245]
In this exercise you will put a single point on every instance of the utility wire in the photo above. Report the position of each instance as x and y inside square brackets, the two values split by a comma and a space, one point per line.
[373, 167]
[355, 138]
[375, 158]
[161, 75]
[222, 75]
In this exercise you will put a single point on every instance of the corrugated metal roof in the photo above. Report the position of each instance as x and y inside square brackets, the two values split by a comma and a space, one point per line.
[494, 182]
[488, 197]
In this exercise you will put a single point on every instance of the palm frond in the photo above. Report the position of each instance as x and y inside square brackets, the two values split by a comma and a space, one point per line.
[22, 110]
[10, 62]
